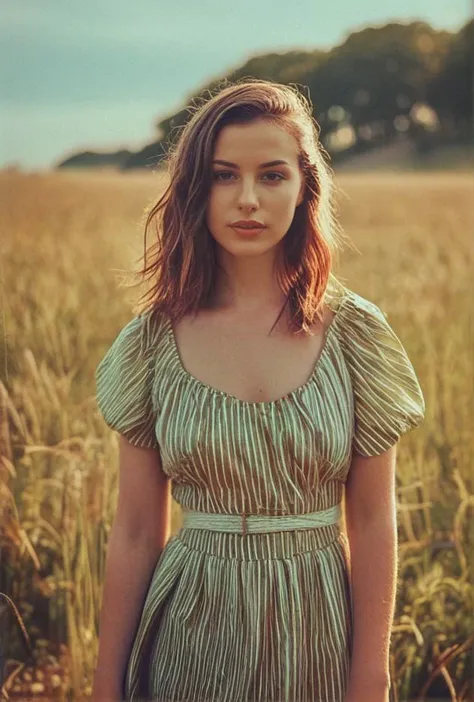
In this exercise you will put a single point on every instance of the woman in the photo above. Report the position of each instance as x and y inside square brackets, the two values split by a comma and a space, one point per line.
[258, 391]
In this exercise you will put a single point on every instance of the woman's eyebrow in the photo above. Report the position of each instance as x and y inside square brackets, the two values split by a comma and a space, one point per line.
[262, 165]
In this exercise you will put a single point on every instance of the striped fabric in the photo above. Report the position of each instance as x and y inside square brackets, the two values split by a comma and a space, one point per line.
[264, 617]
[260, 523]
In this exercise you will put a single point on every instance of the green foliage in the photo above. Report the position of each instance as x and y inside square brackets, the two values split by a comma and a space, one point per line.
[376, 75]
[451, 92]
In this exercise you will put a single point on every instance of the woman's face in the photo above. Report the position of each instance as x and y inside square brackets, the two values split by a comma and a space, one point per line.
[243, 188]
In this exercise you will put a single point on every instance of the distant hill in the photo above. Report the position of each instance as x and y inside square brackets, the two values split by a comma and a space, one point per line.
[91, 159]
[399, 156]
[383, 86]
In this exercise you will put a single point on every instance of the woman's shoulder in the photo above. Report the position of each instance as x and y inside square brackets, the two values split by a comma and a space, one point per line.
[138, 339]
[363, 328]
[124, 380]
[388, 397]
[154, 325]
[352, 311]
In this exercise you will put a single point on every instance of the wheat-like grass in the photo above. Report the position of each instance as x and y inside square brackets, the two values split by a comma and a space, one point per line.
[65, 239]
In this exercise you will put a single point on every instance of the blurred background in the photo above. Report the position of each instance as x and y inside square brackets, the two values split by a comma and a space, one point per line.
[97, 83]
[91, 95]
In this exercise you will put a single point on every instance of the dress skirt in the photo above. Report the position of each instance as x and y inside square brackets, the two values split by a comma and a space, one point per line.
[246, 616]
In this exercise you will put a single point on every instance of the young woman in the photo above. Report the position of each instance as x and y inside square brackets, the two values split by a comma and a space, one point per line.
[258, 391]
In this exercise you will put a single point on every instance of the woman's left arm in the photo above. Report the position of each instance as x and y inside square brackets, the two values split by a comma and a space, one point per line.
[371, 523]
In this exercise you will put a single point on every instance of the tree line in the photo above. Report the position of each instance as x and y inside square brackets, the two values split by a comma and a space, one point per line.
[380, 84]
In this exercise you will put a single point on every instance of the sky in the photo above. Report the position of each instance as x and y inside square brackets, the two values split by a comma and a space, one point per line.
[98, 74]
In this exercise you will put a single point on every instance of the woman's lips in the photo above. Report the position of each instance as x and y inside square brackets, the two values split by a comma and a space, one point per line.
[246, 231]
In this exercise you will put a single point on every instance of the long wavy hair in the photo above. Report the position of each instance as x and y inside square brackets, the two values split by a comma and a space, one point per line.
[184, 257]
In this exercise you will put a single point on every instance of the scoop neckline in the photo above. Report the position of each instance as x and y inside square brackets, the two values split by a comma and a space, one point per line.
[247, 403]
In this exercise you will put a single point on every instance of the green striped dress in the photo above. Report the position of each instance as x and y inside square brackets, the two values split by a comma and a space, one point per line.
[266, 616]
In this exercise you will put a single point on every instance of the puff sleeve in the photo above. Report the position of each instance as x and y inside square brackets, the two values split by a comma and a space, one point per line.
[388, 400]
[124, 379]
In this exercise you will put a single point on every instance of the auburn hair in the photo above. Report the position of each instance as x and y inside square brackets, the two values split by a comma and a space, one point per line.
[184, 260]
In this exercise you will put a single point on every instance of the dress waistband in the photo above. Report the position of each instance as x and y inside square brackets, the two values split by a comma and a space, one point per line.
[259, 523]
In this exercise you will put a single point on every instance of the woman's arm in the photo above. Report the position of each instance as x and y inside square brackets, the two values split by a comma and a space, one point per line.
[371, 522]
[140, 531]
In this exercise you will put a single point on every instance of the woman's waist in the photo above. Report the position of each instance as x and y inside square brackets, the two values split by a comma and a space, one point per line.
[245, 523]
[259, 536]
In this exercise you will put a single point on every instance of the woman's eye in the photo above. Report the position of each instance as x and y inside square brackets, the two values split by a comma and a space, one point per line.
[280, 176]
[218, 176]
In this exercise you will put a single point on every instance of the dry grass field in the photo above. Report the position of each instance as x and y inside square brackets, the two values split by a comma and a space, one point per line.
[64, 239]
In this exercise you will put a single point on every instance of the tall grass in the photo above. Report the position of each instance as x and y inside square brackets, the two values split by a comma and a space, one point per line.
[64, 239]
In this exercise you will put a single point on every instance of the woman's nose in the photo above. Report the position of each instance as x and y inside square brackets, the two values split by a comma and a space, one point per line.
[247, 195]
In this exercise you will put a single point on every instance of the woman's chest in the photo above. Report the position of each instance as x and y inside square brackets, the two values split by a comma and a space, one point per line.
[240, 358]
[205, 432]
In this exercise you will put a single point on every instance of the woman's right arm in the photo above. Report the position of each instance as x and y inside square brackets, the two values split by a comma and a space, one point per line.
[139, 533]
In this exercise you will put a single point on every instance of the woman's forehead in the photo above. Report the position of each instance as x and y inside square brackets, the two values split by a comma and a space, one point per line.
[259, 142]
